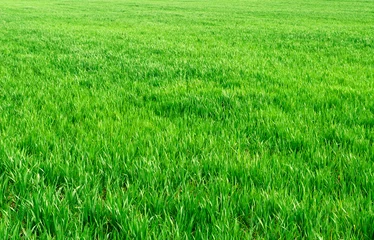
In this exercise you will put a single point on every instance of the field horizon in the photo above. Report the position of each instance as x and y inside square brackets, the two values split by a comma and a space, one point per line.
[186, 119]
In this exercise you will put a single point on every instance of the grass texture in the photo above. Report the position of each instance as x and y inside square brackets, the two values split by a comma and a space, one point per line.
[219, 119]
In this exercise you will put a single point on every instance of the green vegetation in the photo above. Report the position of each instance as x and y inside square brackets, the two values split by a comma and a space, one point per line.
[184, 119]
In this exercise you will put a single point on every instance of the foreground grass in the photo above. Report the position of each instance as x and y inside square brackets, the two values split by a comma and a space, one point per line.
[180, 119]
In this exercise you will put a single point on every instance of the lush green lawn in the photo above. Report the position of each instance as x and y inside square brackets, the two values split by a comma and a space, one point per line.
[187, 119]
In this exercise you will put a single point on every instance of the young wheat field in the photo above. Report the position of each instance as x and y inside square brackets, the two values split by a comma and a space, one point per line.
[179, 119]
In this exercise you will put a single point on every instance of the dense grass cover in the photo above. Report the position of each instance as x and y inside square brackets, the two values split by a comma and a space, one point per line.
[186, 119]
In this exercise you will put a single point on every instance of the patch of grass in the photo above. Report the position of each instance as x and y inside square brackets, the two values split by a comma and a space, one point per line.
[186, 119]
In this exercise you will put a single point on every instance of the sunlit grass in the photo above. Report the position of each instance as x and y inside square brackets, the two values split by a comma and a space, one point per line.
[186, 119]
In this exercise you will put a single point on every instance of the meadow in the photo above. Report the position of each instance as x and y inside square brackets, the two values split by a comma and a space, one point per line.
[209, 119]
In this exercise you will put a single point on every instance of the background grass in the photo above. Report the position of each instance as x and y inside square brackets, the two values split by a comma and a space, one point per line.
[186, 119]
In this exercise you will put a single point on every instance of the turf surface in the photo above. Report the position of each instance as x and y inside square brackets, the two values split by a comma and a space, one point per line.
[219, 119]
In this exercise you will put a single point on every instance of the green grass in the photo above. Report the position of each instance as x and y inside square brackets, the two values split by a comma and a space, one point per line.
[185, 119]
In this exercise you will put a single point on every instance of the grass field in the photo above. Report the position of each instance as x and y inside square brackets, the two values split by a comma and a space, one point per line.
[220, 119]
